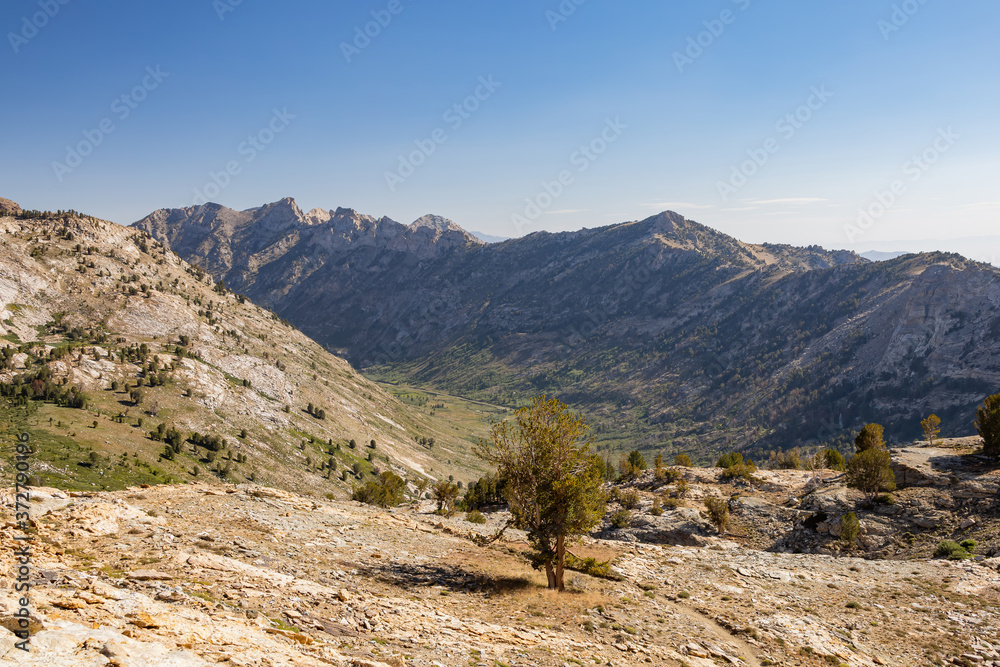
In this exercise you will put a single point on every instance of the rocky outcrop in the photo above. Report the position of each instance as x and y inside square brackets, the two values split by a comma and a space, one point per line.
[682, 526]
[967, 475]
[9, 207]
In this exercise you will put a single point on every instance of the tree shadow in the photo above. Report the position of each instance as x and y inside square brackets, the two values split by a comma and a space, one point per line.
[423, 575]
[974, 464]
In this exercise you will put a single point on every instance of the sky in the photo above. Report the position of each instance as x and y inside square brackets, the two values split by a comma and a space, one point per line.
[865, 124]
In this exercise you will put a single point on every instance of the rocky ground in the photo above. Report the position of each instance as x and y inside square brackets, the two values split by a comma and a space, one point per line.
[945, 491]
[245, 575]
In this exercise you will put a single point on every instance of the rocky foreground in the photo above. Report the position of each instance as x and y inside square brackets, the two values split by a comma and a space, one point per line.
[194, 575]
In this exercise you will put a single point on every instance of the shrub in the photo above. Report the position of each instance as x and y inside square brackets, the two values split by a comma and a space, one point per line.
[743, 471]
[631, 465]
[885, 499]
[682, 460]
[785, 460]
[621, 519]
[681, 488]
[668, 474]
[135, 396]
[629, 499]
[834, 460]
[951, 550]
[849, 527]
[475, 516]
[729, 460]
[657, 508]
[445, 494]
[637, 460]
[718, 513]
[968, 545]
[386, 490]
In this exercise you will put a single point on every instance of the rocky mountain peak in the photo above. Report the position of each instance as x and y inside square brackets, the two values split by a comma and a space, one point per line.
[435, 222]
[318, 216]
[440, 227]
[285, 209]
[667, 221]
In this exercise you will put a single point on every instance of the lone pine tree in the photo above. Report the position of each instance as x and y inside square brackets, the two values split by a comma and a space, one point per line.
[553, 482]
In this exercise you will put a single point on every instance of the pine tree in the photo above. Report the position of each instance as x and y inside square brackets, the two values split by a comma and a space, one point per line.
[870, 472]
[870, 437]
[553, 481]
[988, 425]
[932, 428]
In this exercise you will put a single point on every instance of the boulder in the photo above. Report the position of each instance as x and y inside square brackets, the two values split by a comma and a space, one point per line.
[683, 526]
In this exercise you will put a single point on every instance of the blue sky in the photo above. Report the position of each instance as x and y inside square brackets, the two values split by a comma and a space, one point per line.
[635, 106]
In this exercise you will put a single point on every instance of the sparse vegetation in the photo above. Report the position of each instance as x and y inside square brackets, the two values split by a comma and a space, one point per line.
[386, 490]
[718, 513]
[850, 527]
[951, 550]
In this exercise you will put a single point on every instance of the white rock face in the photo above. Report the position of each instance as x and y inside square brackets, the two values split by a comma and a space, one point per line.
[63, 643]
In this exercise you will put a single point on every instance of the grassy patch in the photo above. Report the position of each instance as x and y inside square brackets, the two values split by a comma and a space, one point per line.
[60, 461]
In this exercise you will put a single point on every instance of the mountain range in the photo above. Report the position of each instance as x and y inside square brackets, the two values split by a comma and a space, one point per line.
[670, 335]
[109, 343]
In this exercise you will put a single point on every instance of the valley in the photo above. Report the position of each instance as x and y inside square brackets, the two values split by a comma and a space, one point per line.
[668, 335]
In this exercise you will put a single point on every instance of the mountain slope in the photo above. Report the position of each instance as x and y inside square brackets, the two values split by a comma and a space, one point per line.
[89, 304]
[671, 335]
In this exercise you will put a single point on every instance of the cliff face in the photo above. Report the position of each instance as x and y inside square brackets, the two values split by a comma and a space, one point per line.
[670, 334]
